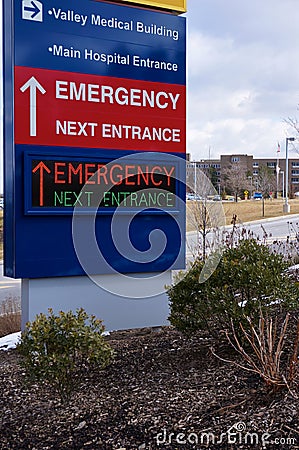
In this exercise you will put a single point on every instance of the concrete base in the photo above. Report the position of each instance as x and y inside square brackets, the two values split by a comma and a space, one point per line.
[117, 312]
[286, 208]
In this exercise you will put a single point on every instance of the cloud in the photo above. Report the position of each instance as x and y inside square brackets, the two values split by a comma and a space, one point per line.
[243, 75]
[243, 79]
[233, 136]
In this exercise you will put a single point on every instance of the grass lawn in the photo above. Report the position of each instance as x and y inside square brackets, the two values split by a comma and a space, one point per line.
[249, 210]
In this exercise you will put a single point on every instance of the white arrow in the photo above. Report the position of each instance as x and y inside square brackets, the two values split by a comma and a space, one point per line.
[33, 85]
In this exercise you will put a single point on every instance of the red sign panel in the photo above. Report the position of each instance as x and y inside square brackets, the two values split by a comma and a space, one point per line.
[57, 108]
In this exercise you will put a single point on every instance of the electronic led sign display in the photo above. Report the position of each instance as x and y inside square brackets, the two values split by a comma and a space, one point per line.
[58, 184]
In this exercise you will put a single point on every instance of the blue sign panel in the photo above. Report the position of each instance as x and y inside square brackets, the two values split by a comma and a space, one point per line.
[94, 128]
[100, 38]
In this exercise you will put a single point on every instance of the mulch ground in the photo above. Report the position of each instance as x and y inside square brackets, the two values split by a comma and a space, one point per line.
[163, 391]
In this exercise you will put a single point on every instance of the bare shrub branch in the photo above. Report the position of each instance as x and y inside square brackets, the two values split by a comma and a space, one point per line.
[267, 345]
[10, 316]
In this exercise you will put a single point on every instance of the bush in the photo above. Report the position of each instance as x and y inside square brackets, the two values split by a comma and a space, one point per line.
[248, 279]
[61, 350]
[267, 347]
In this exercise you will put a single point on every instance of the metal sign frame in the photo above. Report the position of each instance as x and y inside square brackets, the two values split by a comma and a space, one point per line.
[41, 245]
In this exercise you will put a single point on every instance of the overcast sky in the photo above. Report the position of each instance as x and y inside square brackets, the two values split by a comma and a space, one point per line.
[243, 76]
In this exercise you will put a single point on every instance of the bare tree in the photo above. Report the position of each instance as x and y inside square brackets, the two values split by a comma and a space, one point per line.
[234, 178]
[265, 183]
[205, 214]
[293, 122]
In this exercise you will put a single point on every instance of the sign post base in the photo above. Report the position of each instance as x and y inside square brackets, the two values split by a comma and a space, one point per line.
[118, 311]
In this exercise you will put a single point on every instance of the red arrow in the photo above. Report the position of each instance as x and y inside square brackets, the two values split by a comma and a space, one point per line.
[41, 166]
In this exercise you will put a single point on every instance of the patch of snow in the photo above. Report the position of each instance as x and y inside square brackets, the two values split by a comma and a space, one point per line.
[10, 341]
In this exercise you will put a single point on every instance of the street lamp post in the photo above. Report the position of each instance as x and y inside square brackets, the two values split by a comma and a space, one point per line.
[286, 206]
[277, 178]
[282, 173]
[195, 177]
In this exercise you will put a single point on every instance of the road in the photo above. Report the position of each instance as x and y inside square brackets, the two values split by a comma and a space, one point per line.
[277, 228]
[8, 286]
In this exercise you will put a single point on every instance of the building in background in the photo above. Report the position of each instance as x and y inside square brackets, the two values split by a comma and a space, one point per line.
[250, 169]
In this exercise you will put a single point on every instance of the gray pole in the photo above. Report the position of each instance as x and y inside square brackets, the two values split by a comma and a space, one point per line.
[286, 206]
[277, 174]
[282, 173]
